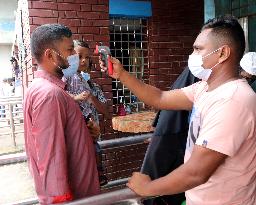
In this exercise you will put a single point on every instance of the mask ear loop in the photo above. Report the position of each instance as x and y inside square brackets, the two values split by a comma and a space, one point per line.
[211, 53]
[57, 66]
[59, 54]
[214, 66]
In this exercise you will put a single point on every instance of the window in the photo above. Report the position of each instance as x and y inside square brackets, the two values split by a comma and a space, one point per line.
[129, 44]
[244, 23]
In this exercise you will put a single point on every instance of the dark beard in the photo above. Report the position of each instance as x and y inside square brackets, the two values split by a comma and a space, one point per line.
[60, 66]
[59, 72]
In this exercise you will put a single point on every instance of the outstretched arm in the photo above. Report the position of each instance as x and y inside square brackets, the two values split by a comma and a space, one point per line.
[164, 100]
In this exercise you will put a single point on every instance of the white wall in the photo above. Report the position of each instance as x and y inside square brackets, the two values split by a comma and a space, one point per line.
[7, 17]
[5, 55]
[7, 8]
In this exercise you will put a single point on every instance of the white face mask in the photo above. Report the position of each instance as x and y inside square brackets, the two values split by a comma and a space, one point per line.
[195, 64]
[73, 61]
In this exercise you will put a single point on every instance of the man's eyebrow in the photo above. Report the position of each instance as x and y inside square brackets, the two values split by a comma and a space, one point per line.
[196, 46]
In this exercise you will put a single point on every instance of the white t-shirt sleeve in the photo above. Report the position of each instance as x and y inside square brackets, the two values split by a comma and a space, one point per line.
[221, 128]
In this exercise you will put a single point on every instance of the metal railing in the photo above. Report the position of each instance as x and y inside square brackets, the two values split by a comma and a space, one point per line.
[11, 117]
[124, 141]
[120, 197]
[123, 196]
[21, 157]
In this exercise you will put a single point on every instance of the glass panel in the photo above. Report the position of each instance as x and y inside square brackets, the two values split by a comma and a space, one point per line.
[252, 10]
[235, 4]
[243, 3]
[222, 7]
[252, 31]
[244, 11]
[236, 12]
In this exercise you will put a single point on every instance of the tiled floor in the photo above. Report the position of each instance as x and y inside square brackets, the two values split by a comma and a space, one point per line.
[16, 183]
[6, 140]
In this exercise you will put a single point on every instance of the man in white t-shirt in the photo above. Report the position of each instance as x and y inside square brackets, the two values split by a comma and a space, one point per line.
[220, 159]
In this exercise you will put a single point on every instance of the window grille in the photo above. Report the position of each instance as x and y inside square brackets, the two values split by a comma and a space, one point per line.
[129, 44]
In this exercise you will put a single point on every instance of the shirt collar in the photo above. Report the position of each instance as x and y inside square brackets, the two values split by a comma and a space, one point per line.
[53, 79]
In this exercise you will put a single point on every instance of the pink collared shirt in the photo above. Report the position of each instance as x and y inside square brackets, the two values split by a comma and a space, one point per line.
[59, 147]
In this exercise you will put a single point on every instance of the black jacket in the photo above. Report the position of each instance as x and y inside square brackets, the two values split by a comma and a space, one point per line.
[166, 150]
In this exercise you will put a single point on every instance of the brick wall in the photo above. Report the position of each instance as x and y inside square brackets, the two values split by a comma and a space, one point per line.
[88, 20]
[172, 30]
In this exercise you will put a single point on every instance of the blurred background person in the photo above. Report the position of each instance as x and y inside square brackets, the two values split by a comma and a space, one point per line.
[248, 65]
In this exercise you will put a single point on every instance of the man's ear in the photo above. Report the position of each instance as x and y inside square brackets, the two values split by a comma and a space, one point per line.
[224, 53]
[48, 54]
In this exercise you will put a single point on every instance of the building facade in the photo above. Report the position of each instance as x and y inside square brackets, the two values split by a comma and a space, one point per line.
[153, 43]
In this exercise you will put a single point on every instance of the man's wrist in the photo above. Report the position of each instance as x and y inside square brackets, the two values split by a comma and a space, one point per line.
[149, 190]
[122, 74]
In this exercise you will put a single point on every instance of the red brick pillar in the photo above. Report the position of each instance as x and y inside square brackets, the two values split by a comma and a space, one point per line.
[172, 30]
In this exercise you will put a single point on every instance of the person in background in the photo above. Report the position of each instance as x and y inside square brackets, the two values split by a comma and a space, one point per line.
[58, 144]
[167, 146]
[6, 87]
[220, 157]
[248, 65]
[89, 97]
[15, 68]
[17, 76]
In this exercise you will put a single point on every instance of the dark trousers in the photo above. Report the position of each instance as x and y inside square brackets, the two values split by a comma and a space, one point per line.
[164, 154]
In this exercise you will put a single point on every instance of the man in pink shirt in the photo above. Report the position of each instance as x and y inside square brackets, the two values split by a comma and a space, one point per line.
[220, 159]
[58, 145]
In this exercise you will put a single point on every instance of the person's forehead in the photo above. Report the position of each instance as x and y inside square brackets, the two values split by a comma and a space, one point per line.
[203, 38]
[81, 49]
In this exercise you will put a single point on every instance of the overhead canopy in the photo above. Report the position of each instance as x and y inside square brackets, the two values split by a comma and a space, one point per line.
[130, 8]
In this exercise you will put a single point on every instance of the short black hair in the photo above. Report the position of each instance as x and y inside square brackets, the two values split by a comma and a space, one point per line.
[80, 43]
[46, 36]
[227, 29]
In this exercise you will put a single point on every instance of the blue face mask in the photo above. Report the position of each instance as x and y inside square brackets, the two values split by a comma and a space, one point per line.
[86, 76]
[73, 61]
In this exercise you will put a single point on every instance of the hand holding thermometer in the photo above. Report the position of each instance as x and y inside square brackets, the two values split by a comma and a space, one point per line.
[106, 55]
